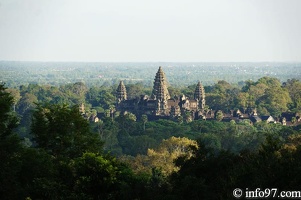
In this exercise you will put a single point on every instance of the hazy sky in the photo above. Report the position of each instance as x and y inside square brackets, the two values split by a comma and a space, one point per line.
[150, 30]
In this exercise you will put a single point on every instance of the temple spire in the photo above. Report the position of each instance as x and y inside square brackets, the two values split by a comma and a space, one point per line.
[160, 91]
[199, 94]
[121, 92]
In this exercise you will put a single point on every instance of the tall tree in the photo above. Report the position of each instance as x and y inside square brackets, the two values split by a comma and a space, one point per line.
[294, 88]
[10, 147]
[16, 96]
[170, 149]
[8, 121]
[276, 100]
[63, 132]
[144, 121]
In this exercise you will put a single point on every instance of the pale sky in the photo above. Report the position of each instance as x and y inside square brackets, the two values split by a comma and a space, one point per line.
[150, 30]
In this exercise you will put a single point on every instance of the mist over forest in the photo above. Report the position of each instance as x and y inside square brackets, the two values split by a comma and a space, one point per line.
[15, 73]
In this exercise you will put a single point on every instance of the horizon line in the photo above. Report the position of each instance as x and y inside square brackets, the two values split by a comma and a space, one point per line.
[150, 61]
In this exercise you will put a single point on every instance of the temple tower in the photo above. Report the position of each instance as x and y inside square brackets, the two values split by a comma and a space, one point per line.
[160, 92]
[199, 95]
[121, 92]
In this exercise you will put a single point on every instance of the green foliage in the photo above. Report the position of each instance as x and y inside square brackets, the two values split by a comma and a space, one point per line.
[219, 115]
[136, 90]
[67, 159]
[294, 88]
[10, 147]
[95, 176]
[8, 120]
[103, 97]
[169, 150]
[20, 167]
[267, 94]
[211, 175]
[62, 131]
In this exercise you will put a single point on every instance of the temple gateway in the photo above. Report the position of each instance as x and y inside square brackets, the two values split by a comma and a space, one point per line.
[160, 104]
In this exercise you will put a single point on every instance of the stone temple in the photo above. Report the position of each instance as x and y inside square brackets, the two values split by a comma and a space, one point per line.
[160, 104]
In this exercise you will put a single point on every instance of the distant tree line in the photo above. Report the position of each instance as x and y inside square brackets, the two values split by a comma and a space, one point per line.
[108, 74]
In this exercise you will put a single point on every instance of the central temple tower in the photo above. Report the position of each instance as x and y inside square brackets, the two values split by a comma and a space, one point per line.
[121, 92]
[160, 92]
[199, 95]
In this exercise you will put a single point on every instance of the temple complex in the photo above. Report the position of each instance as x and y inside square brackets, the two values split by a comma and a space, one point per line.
[160, 104]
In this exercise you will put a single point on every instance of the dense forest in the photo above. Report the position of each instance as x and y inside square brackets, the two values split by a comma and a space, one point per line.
[49, 150]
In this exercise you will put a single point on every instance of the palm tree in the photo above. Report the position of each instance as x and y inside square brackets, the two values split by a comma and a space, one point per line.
[144, 120]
